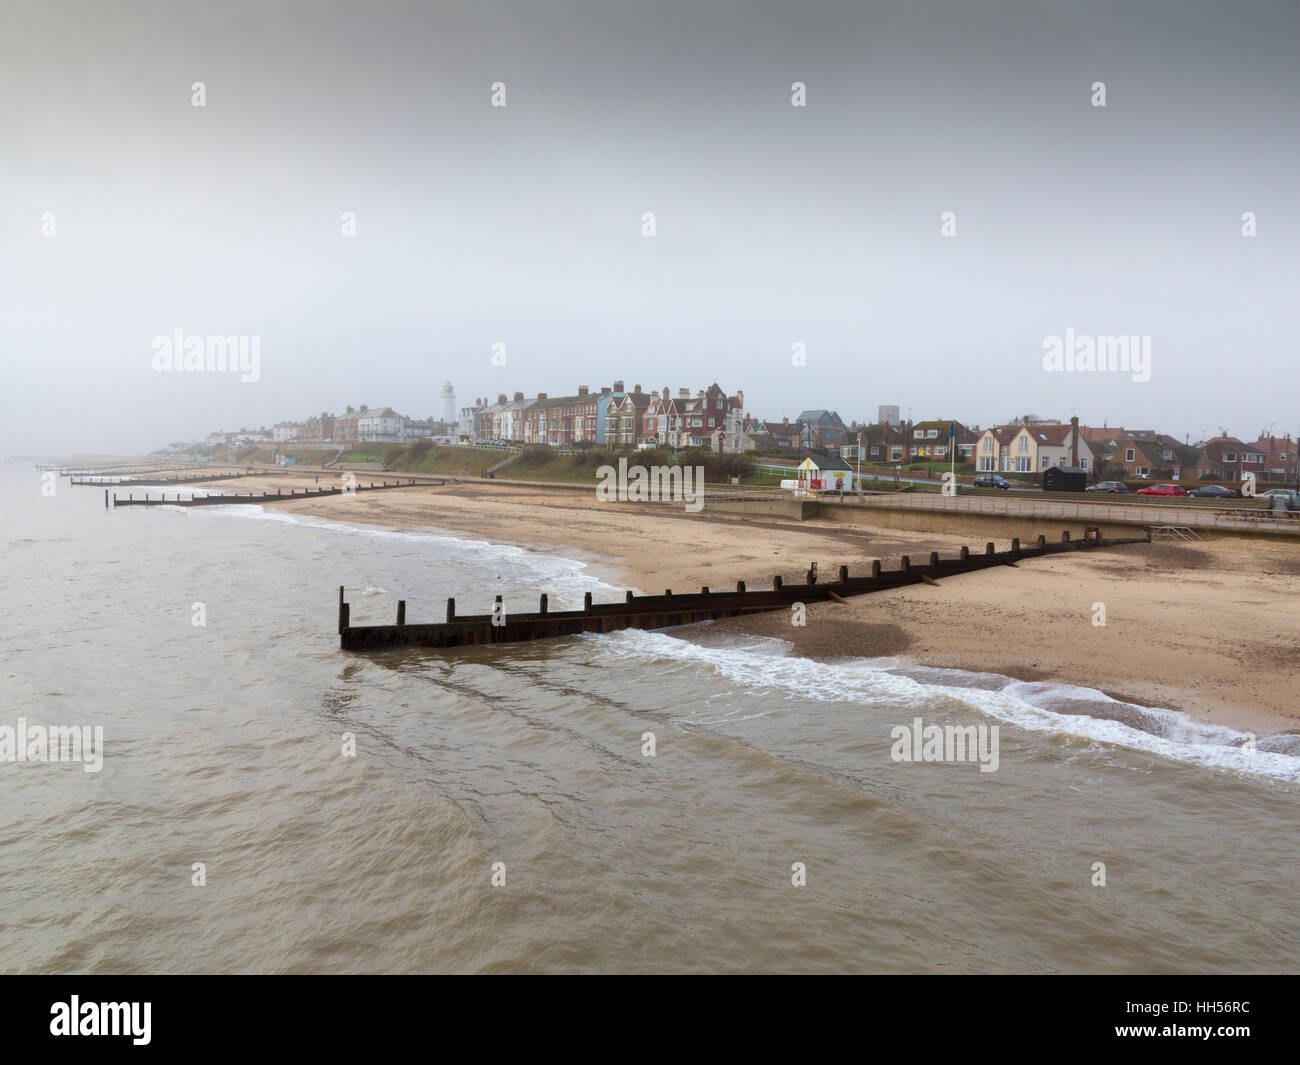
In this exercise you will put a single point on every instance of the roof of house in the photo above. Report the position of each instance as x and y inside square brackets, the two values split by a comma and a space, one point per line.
[830, 462]
[821, 417]
[1051, 435]
[1004, 434]
[1274, 445]
[781, 428]
[1092, 433]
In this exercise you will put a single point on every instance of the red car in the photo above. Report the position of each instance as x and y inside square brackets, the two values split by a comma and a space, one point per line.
[1162, 490]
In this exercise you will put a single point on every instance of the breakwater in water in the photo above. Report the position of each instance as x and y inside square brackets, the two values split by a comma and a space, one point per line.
[669, 609]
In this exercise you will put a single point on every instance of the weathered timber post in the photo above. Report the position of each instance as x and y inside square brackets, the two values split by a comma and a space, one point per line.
[704, 590]
[1042, 540]
[934, 558]
[965, 552]
[1065, 537]
[812, 574]
[776, 583]
[875, 568]
[542, 608]
[341, 606]
[740, 586]
[401, 612]
[105, 498]
[451, 610]
[907, 562]
[629, 595]
[844, 574]
[1015, 546]
[586, 603]
[988, 548]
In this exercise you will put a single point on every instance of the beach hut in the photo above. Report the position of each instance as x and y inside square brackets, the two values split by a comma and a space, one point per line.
[1064, 479]
[829, 474]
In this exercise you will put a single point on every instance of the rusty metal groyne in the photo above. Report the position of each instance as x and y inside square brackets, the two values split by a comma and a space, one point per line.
[664, 611]
[254, 497]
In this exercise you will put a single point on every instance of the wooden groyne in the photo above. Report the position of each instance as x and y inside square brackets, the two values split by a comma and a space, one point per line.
[667, 610]
[278, 496]
[126, 480]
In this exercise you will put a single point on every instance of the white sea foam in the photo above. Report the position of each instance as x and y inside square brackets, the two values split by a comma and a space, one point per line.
[564, 579]
[768, 668]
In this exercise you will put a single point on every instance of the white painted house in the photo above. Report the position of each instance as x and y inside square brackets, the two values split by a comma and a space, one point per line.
[381, 426]
[1031, 449]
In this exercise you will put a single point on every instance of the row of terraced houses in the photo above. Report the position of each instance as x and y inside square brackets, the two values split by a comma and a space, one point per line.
[612, 416]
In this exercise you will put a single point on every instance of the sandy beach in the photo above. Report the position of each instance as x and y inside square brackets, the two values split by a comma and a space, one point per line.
[1212, 628]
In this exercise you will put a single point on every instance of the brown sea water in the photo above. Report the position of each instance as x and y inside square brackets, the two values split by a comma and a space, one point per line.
[223, 746]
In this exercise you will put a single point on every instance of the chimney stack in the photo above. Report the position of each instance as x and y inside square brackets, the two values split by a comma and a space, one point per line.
[501, 398]
[618, 386]
[582, 390]
[636, 390]
[1074, 442]
[519, 397]
[541, 396]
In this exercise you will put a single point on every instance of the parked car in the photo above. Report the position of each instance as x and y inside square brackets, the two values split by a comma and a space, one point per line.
[1118, 487]
[991, 480]
[1214, 491]
[1291, 496]
[1163, 490]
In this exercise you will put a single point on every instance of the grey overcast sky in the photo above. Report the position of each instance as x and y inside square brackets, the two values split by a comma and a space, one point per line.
[523, 224]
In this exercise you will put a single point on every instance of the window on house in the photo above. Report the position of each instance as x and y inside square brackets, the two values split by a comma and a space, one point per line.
[875, 450]
[1129, 455]
[895, 453]
[1229, 456]
[1022, 465]
[1024, 443]
[1046, 460]
[931, 433]
[988, 444]
[1083, 464]
[1143, 471]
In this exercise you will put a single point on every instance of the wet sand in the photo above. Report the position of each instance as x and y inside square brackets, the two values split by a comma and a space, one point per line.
[1212, 628]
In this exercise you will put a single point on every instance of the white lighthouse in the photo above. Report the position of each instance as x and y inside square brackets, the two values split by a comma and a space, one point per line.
[448, 404]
